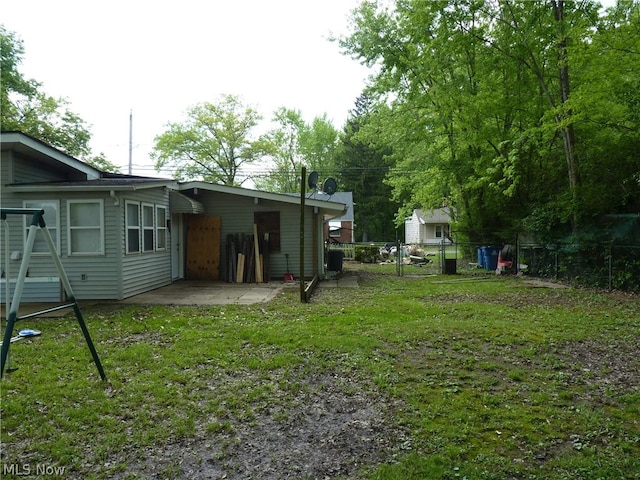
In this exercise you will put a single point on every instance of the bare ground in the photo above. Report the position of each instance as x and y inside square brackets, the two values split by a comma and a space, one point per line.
[336, 425]
[332, 429]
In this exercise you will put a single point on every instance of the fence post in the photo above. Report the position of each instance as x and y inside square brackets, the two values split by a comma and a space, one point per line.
[610, 267]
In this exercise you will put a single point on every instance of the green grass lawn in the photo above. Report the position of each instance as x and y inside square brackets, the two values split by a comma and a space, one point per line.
[477, 377]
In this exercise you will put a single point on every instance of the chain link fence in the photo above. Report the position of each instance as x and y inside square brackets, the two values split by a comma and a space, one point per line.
[609, 266]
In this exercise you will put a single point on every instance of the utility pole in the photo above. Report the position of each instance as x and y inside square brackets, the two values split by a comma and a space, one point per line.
[130, 141]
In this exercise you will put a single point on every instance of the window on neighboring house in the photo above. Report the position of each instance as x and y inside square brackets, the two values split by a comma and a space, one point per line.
[133, 227]
[335, 229]
[442, 231]
[52, 221]
[148, 224]
[161, 228]
[85, 220]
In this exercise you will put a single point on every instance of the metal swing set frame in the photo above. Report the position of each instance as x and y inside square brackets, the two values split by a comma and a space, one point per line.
[37, 222]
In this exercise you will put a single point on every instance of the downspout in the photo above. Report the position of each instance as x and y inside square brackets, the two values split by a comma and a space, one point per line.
[120, 245]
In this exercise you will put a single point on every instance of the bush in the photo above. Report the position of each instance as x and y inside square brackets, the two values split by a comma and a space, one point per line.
[367, 253]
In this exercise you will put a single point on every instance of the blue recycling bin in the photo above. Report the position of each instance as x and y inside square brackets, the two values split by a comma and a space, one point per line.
[481, 257]
[490, 258]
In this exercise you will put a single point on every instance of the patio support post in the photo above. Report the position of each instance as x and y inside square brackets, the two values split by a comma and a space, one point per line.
[303, 296]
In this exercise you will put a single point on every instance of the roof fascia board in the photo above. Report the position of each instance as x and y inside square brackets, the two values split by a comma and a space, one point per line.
[87, 188]
[44, 149]
[276, 197]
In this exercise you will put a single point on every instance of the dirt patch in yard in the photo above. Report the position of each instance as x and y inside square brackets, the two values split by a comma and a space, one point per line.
[331, 428]
[606, 368]
[516, 299]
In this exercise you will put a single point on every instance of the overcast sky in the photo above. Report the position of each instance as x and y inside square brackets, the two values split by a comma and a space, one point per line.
[159, 58]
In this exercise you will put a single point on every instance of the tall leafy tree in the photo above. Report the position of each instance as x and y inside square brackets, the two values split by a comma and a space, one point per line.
[26, 108]
[318, 144]
[606, 92]
[212, 144]
[293, 143]
[363, 167]
[281, 147]
[490, 106]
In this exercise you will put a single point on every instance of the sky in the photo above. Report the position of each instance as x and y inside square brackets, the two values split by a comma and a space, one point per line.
[154, 60]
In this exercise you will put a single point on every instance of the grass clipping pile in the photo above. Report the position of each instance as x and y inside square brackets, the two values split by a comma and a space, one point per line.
[333, 428]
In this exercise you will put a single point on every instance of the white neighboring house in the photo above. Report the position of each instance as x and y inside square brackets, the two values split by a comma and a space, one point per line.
[430, 227]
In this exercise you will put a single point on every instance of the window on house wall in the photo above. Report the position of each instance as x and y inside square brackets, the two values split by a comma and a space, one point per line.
[132, 221]
[438, 231]
[269, 222]
[161, 228]
[85, 220]
[148, 227]
[52, 221]
[335, 228]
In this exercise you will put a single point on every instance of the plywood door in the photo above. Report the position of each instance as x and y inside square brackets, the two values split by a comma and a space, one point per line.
[203, 248]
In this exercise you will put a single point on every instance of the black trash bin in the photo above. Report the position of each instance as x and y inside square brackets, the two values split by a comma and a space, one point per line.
[334, 260]
[450, 266]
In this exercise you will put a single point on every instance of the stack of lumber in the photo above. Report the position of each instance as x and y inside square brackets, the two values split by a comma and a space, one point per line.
[248, 257]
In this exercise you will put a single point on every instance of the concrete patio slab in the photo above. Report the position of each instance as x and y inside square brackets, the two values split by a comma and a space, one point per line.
[207, 293]
[193, 293]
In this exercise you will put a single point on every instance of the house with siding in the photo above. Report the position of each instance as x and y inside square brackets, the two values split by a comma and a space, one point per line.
[338, 229]
[120, 235]
[428, 227]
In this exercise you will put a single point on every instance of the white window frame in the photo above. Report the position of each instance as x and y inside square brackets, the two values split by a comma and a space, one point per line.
[136, 227]
[52, 225]
[72, 228]
[161, 229]
[145, 228]
[438, 231]
[335, 228]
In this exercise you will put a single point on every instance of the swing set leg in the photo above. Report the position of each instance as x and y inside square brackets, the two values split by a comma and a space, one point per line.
[4, 353]
[6, 341]
[87, 337]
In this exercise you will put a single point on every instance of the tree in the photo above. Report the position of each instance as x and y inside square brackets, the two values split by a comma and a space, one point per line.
[212, 144]
[292, 144]
[491, 107]
[318, 144]
[363, 166]
[281, 146]
[101, 163]
[27, 109]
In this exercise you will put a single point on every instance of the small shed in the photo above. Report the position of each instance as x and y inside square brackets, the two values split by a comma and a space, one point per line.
[428, 227]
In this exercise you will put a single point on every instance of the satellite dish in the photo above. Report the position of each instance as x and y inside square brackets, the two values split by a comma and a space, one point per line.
[313, 180]
[330, 186]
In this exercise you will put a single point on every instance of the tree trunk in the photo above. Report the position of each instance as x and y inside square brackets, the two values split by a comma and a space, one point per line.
[563, 118]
